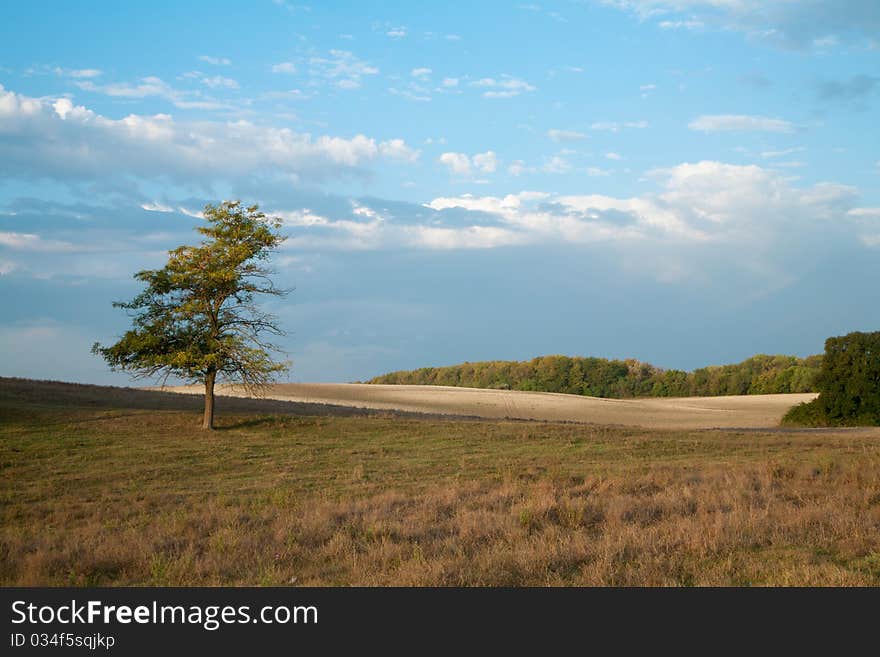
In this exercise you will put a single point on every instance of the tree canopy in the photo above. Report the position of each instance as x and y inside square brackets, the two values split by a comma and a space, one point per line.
[197, 319]
[600, 377]
[848, 384]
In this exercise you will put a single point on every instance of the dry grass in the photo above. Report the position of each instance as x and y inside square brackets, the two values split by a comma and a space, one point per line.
[98, 495]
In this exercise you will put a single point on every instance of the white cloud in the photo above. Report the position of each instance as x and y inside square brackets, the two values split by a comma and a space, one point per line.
[155, 206]
[341, 68]
[31, 242]
[412, 92]
[700, 202]
[396, 32]
[518, 168]
[614, 126]
[739, 123]
[782, 153]
[566, 135]
[284, 67]
[81, 73]
[865, 213]
[680, 25]
[58, 139]
[420, 72]
[613, 156]
[869, 221]
[785, 23]
[595, 172]
[215, 61]
[470, 237]
[458, 164]
[486, 162]
[397, 149]
[148, 86]
[504, 87]
[152, 86]
[556, 164]
[450, 82]
[747, 217]
[218, 81]
[369, 229]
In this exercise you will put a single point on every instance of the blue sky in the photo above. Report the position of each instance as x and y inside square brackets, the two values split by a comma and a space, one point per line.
[686, 182]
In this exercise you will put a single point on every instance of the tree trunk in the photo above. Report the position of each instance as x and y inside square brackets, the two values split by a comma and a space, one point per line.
[208, 422]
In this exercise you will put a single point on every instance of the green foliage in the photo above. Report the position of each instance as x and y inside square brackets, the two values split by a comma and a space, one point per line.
[599, 377]
[808, 414]
[849, 383]
[197, 318]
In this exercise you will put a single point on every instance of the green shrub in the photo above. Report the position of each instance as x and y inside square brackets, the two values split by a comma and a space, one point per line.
[808, 414]
[849, 382]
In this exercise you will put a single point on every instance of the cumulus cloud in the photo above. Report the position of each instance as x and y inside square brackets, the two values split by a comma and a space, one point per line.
[699, 202]
[420, 72]
[486, 162]
[397, 149]
[57, 139]
[368, 229]
[739, 123]
[460, 164]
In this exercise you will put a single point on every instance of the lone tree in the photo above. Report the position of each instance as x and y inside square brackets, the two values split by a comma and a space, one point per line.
[197, 318]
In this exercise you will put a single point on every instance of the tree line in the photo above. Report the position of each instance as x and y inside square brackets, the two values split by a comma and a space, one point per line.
[601, 377]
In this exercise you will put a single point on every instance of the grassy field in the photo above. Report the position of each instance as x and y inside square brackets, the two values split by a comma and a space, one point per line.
[111, 487]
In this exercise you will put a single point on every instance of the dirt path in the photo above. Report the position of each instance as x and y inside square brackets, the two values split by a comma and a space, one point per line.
[751, 411]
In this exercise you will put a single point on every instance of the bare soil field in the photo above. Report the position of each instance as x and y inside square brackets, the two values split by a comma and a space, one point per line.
[731, 412]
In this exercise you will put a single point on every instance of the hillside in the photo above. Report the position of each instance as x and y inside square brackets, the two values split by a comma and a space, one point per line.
[600, 377]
